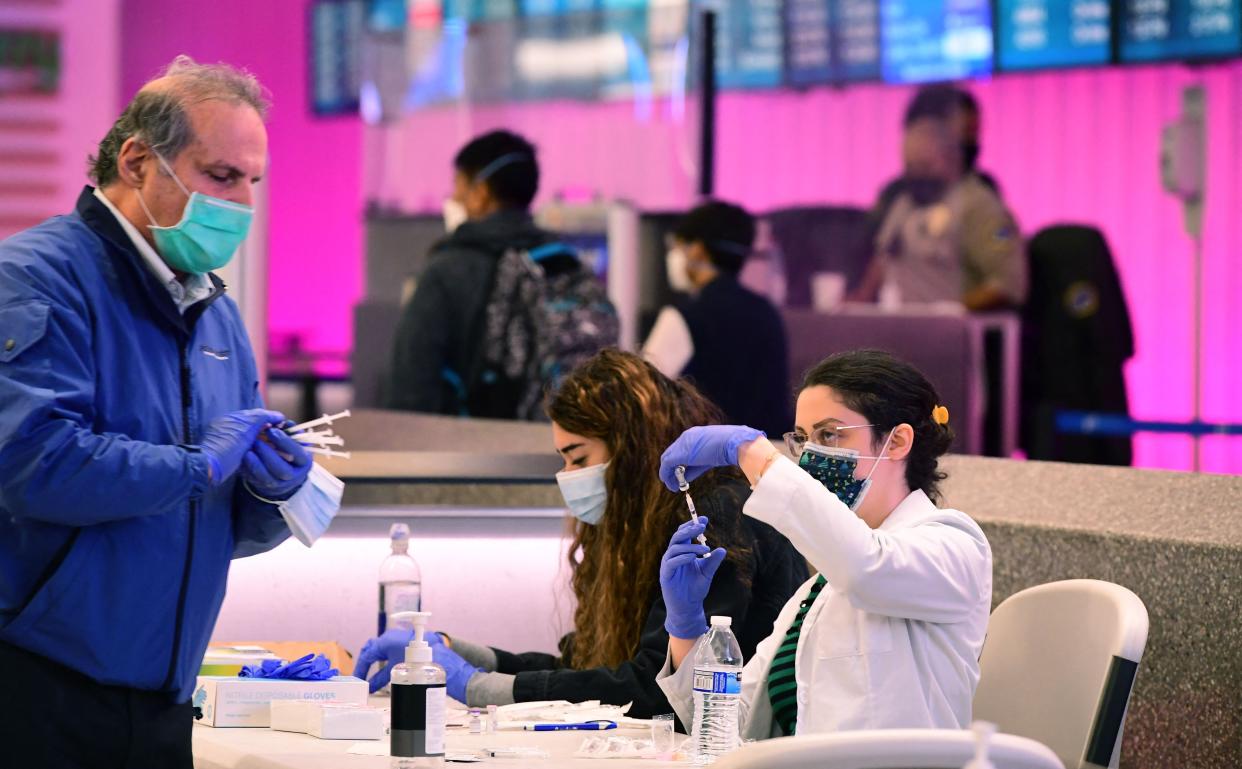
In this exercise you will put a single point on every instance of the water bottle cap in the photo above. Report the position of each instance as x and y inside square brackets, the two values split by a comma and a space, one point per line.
[721, 621]
[399, 536]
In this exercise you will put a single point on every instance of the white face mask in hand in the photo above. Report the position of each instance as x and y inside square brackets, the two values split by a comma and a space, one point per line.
[678, 267]
[310, 511]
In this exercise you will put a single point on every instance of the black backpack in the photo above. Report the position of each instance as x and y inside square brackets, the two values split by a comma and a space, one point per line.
[534, 329]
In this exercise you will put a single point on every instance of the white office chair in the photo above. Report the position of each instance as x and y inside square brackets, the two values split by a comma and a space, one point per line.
[1058, 666]
[888, 748]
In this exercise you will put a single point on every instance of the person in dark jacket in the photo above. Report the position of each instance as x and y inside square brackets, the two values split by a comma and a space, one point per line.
[438, 338]
[131, 465]
[611, 419]
[722, 336]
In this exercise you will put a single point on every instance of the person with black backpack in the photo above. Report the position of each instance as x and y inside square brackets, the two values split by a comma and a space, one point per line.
[503, 310]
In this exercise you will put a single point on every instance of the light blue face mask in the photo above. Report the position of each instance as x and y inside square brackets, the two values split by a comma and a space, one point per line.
[585, 492]
[310, 511]
[208, 234]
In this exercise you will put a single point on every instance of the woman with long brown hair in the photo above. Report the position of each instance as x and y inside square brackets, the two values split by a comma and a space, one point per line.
[611, 419]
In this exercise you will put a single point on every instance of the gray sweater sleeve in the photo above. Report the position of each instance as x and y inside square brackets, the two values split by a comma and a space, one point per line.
[479, 656]
[485, 689]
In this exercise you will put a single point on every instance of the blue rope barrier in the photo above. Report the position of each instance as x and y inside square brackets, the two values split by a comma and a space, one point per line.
[1120, 425]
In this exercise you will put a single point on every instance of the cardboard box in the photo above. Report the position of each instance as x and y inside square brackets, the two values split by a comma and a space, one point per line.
[329, 721]
[229, 660]
[227, 701]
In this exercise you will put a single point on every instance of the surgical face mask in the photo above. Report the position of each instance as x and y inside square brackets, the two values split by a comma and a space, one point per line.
[678, 267]
[310, 511]
[585, 492]
[925, 190]
[834, 467]
[454, 215]
[208, 234]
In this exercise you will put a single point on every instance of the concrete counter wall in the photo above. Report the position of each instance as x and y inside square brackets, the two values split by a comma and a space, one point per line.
[1175, 539]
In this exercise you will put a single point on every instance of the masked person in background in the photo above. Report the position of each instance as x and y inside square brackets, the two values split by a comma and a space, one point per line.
[941, 232]
[134, 450]
[888, 633]
[452, 321]
[726, 339]
[960, 108]
[610, 420]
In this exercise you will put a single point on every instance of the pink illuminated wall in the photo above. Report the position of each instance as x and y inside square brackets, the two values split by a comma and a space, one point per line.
[1072, 146]
[315, 233]
[1066, 146]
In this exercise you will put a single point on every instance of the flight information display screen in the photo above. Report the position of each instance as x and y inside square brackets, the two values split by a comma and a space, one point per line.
[749, 44]
[928, 40]
[1040, 34]
[831, 41]
[1159, 30]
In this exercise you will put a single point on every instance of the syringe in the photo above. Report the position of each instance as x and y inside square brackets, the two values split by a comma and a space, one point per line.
[684, 487]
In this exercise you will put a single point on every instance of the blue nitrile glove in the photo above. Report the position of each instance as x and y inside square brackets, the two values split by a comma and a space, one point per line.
[700, 449]
[389, 649]
[459, 671]
[311, 667]
[685, 578]
[268, 473]
[227, 439]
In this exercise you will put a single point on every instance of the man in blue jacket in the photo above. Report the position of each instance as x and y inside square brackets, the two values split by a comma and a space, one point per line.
[135, 457]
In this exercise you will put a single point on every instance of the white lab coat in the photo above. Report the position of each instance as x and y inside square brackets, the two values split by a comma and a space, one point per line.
[894, 638]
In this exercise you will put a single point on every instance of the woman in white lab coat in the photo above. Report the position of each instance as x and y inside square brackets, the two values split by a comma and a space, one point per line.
[888, 633]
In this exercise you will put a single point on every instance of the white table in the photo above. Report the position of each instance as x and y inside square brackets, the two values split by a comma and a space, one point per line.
[266, 749]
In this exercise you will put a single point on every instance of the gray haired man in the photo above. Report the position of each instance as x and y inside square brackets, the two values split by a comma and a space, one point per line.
[136, 459]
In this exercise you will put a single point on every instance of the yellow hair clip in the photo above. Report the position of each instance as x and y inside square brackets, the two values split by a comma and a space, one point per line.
[940, 415]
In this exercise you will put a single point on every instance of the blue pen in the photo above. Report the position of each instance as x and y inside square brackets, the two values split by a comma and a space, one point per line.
[589, 725]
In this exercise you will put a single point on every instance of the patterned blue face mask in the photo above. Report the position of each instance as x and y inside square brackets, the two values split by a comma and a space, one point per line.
[834, 467]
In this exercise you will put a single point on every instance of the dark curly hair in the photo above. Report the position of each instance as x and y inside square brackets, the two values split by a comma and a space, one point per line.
[637, 412]
[889, 392]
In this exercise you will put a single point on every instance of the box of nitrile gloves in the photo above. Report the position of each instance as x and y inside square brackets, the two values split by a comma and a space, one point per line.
[229, 701]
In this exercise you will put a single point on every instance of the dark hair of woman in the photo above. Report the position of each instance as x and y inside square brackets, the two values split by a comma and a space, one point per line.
[622, 400]
[889, 392]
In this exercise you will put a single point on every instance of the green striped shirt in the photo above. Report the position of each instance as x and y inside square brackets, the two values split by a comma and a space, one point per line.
[782, 681]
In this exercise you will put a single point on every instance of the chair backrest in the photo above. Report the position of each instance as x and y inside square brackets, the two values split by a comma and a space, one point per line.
[887, 748]
[1058, 666]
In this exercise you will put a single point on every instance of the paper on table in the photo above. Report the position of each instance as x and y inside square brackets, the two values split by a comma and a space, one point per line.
[381, 749]
[561, 711]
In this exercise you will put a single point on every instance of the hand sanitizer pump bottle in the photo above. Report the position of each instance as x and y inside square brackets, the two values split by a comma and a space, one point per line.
[418, 702]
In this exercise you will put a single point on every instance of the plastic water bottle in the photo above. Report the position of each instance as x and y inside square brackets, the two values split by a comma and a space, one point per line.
[400, 581]
[717, 693]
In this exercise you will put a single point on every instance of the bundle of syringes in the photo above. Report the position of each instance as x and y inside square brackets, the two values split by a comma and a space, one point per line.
[319, 441]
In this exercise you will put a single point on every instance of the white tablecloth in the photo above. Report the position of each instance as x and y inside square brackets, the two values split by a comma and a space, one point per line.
[265, 749]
